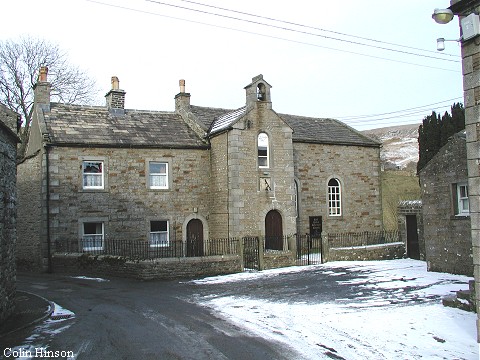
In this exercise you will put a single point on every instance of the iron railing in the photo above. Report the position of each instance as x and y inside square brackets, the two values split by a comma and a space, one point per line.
[143, 250]
[365, 238]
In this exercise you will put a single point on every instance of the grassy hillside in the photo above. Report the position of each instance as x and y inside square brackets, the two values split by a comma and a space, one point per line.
[397, 186]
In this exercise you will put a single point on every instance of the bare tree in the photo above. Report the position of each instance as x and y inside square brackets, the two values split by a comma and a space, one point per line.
[20, 62]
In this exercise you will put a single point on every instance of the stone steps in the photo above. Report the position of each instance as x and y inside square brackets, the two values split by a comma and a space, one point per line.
[463, 299]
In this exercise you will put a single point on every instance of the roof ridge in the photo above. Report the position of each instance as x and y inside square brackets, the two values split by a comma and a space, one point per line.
[102, 107]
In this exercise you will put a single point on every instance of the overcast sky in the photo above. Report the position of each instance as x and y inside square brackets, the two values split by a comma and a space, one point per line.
[312, 58]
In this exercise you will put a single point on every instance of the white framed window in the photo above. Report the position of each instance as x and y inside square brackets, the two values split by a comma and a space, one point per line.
[334, 197]
[93, 174]
[157, 175]
[462, 204]
[263, 151]
[159, 235]
[93, 235]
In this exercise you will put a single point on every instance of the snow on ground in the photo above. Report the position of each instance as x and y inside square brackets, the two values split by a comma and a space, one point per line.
[33, 346]
[363, 327]
[89, 278]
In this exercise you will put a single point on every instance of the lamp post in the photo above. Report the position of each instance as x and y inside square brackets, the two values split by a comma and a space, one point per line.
[467, 11]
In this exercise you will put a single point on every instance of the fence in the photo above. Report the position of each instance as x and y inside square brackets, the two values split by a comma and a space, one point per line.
[366, 238]
[308, 250]
[143, 250]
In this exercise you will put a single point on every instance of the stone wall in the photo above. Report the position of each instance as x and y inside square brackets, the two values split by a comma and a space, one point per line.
[357, 168]
[8, 211]
[471, 91]
[249, 202]
[30, 228]
[126, 205]
[448, 246]
[365, 253]
[218, 186]
[165, 269]
[277, 259]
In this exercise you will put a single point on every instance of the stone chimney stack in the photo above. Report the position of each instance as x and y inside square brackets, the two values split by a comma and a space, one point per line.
[115, 98]
[182, 99]
[42, 89]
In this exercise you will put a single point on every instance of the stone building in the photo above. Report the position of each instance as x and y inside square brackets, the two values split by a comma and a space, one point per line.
[410, 228]
[193, 173]
[445, 208]
[8, 213]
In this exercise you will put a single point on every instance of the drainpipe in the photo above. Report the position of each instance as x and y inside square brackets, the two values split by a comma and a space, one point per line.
[47, 206]
[228, 188]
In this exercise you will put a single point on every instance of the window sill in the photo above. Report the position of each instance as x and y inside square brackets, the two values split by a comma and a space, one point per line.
[460, 217]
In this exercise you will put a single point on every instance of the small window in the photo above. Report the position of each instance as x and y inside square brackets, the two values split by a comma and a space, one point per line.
[159, 234]
[462, 204]
[92, 174]
[334, 198]
[263, 160]
[295, 197]
[93, 235]
[158, 175]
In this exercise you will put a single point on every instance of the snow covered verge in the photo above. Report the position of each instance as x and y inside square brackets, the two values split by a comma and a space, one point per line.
[405, 325]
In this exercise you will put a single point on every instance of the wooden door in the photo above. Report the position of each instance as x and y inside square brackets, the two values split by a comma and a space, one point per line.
[273, 231]
[413, 248]
[195, 238]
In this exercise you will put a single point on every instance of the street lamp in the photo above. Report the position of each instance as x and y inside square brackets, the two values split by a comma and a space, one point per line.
[469, 24]
[442, 16]
[441, 43]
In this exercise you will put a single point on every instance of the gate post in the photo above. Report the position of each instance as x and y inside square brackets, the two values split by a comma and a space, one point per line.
[261, 247]
[292, 243]
[325, 251]
[240, 251]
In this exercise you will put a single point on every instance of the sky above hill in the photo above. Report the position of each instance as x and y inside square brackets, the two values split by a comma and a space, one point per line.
[310, 52]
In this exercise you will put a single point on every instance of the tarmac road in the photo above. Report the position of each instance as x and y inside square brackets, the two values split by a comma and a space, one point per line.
[127, 319]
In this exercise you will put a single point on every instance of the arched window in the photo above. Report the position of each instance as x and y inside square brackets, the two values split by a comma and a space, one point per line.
[334, 197]
[263, 152]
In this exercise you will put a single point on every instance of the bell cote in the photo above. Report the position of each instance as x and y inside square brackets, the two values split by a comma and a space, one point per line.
[258, 92]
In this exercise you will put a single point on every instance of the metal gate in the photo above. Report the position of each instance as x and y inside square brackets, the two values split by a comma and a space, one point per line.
[309, 250]
[250, 253]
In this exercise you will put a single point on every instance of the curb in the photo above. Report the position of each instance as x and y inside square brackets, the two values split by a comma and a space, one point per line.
[46, 314]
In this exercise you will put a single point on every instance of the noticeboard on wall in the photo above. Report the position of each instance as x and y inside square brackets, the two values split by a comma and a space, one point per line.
[315, 226]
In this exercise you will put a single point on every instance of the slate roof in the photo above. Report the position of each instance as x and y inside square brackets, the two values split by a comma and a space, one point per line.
[305, 129]
[226, 120]
[206, 115]
[325, 131]
[95, 126]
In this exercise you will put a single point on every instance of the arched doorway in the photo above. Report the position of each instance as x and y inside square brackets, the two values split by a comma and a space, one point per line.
[195, 238]
[273, 231]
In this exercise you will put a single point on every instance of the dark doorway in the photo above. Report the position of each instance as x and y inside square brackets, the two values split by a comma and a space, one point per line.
[195, 238]
[413, 248]
[273, 231]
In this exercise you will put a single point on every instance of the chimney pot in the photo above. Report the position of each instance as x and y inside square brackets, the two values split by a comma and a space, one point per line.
[115, 83]
[182, 85]
[42, 76]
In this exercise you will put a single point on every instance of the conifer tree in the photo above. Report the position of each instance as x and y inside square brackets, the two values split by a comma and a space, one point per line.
[435, 131]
